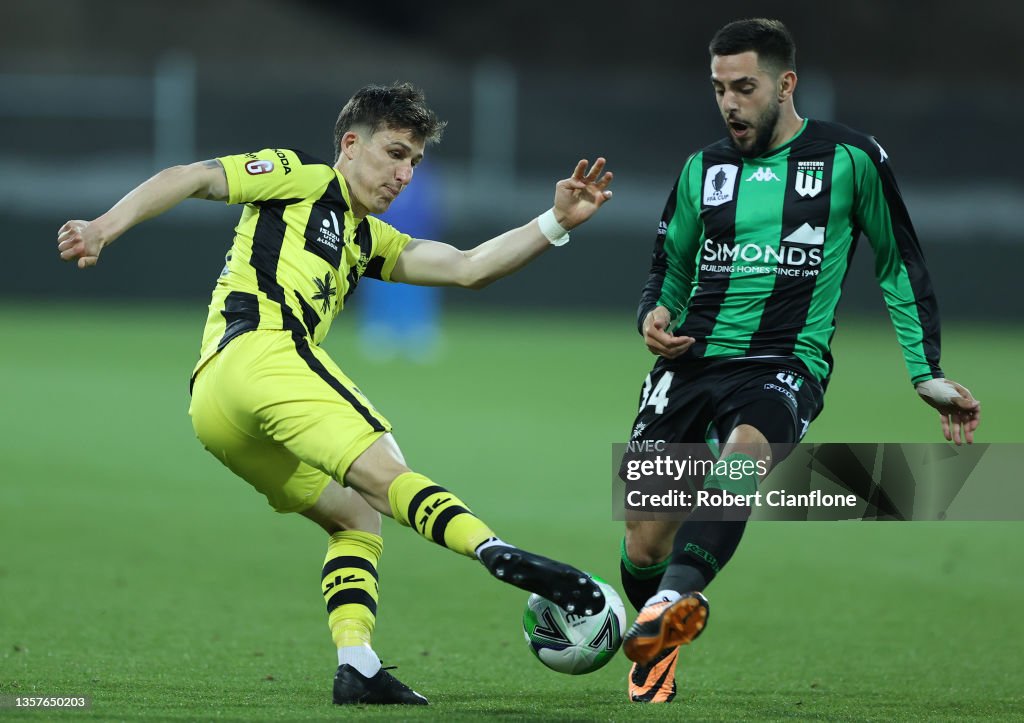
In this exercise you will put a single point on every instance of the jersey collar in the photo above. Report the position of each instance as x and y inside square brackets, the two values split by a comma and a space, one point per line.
[787, 144]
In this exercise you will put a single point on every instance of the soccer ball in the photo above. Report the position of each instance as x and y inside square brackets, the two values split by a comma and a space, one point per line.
[571, 643]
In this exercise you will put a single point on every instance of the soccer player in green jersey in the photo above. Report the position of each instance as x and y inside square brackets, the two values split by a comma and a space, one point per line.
[269, 402]
[739, 307]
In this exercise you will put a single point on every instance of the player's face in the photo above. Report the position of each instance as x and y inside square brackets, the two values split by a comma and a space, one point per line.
[380, 166]
[748, 100]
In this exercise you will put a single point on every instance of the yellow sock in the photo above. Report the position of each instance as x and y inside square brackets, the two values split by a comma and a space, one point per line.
[349, 586]
[436, 513]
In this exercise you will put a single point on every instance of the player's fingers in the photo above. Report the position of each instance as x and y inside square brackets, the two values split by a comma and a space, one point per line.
[954, 422]
[661, 337]
[87, 261]
[969, 432]
[581, 169]
[606, 179]
[656, 349]
[595, 170]
[71, 250]
[946, 432]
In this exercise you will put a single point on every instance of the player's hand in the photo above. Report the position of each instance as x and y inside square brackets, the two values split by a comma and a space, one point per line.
[81, 241]
[657, 337]
[578, 197]
[959, 411]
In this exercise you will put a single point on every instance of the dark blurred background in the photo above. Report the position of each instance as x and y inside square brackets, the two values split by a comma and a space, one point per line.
[95, 95]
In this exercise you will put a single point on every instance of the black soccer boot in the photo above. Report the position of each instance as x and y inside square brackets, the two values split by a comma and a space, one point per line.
[562, 584]
[352, 687]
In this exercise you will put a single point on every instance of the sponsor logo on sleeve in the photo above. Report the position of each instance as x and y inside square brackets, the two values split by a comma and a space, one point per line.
[719, 184]
[255, 168]
[284, 161]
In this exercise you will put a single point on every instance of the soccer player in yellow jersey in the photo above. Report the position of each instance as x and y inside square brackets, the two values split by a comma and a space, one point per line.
[271, 405]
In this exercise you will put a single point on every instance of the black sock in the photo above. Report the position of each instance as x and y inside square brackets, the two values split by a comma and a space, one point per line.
[703, 546]
[640, 583]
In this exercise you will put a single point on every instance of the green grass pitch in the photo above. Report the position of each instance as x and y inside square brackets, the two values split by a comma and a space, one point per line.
[136, 570]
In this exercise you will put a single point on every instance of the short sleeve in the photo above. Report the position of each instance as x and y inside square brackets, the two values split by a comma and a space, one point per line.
[273, 173]
[388, 244]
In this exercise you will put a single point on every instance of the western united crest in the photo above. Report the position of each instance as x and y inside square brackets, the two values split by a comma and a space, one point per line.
[809, 178]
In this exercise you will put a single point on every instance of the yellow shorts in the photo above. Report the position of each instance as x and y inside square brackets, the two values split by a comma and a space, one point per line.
[282, 416]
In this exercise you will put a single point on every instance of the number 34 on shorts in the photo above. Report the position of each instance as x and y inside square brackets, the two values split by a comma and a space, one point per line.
[656, 395]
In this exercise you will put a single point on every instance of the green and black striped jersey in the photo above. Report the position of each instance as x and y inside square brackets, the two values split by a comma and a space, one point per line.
[751, 253]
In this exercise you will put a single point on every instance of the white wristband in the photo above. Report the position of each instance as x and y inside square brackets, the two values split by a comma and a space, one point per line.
[552, 230]
[938, 390]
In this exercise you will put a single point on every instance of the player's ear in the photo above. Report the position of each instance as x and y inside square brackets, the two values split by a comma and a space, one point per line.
[787, 84]
[348, 145]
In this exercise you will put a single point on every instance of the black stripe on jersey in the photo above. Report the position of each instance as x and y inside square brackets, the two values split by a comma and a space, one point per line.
[267, 239]
[720, 226]
[325, 229]
[302, 347]
[418, 499]
[785, 311]
[241, 313]
[364, 240]
[913, 260]
[352, 596]
[375, 268]
[351, 561]
[659, 260]
[308, 160]
[441, 523]
[309, 316]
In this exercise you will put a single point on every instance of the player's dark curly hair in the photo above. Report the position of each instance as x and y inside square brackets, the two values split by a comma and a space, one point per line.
[768, 38]
[401, 106]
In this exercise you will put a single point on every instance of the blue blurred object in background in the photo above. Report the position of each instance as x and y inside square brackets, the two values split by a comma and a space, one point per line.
[400, 320]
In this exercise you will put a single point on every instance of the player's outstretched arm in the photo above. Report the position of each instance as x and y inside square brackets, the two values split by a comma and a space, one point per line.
[959, 411]
[577, 198]
[82, 241]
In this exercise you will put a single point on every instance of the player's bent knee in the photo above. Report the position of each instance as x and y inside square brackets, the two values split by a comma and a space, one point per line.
[339, 509]
[372, 472]
[648, 543]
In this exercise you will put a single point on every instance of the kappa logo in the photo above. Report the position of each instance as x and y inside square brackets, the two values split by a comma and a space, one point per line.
[763, 173]
[809, 175]
[882, 155]
[719, 184]
[257, 167]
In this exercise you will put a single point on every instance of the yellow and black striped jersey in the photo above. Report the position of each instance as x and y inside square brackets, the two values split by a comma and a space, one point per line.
[298, 251]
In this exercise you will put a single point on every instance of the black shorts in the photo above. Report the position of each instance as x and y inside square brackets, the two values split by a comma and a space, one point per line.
[706, 399]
